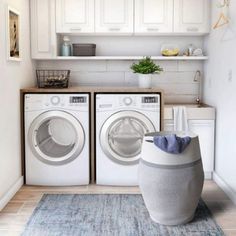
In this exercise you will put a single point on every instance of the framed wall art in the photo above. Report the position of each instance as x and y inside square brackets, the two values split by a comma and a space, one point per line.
[13, 34]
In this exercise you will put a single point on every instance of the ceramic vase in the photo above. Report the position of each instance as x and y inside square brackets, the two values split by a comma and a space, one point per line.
[145, 80]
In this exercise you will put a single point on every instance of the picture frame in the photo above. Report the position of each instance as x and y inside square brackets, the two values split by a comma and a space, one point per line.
[13, 34]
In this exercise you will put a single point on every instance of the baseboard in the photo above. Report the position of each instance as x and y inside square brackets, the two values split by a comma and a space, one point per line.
[11, 192]
[208, 175]
[225, 187]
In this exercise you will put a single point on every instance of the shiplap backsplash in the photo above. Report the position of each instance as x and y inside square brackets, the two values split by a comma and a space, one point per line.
[177, 80]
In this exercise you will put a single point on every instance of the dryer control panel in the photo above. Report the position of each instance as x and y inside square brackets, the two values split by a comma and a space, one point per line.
[56, 101]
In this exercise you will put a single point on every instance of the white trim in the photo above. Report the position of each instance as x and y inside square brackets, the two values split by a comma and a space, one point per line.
[11, 192]
[225, 187]
[128, 58]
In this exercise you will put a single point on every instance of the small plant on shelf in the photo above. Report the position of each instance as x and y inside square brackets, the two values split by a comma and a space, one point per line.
[145, 68]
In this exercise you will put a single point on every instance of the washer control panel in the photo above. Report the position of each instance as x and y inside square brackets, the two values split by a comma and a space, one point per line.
[147, 101]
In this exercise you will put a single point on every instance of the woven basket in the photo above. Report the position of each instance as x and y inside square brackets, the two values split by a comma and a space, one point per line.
[53, 78]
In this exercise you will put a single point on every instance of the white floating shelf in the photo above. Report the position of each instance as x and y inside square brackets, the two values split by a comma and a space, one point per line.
[129, 58]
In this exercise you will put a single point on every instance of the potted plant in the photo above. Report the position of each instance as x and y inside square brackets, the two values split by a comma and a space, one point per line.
[145, 68]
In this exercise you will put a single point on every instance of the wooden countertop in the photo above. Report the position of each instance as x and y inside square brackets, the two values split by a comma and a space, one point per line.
[91, 89]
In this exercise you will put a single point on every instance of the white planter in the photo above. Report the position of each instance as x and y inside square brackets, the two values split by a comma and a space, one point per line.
[145, 81]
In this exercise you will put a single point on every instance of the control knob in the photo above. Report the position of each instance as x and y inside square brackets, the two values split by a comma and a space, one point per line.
[55, 100]
[128, 101]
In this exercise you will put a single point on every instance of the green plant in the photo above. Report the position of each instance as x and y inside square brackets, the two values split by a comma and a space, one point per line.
[146, 66]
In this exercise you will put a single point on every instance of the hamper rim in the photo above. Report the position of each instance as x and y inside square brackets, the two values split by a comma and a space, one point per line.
[171, 166]
[177, 133]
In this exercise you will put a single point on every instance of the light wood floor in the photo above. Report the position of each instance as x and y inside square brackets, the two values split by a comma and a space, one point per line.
[15, 215]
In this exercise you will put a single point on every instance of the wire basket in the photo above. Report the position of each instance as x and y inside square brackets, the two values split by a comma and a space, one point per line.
[53, 78]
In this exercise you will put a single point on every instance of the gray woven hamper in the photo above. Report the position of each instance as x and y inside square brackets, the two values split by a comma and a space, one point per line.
[171, 184]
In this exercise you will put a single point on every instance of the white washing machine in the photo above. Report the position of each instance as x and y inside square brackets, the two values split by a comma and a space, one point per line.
[56, 139]
[121, 122]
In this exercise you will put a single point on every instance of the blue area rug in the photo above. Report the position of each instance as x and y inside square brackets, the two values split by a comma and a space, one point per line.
[109, 215]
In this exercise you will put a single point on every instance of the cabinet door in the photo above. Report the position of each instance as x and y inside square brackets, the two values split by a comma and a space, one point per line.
[75, 16]
[168, 125]
[191, 16]
[43, 33]
[114, 16]
[205, 129]
[154, 16]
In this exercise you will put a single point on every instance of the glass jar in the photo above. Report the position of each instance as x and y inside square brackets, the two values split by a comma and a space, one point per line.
[66, 47]
[170, 50]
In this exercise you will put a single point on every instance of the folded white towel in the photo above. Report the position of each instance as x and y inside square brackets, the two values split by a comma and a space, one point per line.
[180, 118]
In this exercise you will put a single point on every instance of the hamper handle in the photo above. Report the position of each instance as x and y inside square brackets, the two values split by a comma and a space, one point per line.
[149, 141]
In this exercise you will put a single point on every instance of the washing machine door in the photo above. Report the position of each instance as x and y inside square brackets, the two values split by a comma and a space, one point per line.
[56, 137]
[121, 136]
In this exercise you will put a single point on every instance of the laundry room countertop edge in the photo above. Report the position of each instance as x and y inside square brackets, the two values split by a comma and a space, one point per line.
[89, 89]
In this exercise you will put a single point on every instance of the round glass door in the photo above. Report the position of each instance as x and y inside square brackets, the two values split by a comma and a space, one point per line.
[56, 137]
[122, 135]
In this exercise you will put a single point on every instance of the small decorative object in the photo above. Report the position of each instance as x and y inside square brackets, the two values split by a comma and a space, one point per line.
[13, 34]
[145, 68]
[53, 78]
[169, 50]
[66, 47]
[190, 50]
[193, 51]
[223, 18]
[197, 52]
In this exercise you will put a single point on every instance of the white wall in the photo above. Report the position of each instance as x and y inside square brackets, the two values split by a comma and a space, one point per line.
[220, 92]
[13, 76]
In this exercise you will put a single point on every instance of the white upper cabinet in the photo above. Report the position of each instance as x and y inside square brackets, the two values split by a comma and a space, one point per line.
[75, 16]
[43, 32]
[191, 16]
[154, 16]
[114, 16]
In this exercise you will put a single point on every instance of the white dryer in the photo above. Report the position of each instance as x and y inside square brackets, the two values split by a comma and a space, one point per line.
[121, 122]
[56, 139]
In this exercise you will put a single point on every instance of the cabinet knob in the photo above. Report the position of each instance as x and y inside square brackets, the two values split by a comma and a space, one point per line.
[75, 29]
[128, 101]
[114, 29]
[153, 29]
[192, 29]
[55, 100]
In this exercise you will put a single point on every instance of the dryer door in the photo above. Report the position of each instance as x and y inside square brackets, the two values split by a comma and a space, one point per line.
[121, 136]
[56, 137]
